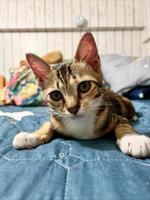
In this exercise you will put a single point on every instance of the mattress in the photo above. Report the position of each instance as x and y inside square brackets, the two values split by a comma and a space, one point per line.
[67, 169]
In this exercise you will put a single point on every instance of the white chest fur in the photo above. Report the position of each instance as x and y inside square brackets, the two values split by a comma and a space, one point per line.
[80, 128]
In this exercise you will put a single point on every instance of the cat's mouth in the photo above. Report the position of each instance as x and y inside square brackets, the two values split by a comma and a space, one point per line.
[77, 116]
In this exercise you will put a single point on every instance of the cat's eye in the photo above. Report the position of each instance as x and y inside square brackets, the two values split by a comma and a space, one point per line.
[56, 95]
[84, 86]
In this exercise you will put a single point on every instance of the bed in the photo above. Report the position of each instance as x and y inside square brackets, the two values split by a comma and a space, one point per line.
[67, 169]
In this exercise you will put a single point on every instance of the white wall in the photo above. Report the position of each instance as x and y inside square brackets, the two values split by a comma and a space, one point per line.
[40, 26]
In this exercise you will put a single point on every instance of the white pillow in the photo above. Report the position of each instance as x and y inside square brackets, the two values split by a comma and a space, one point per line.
[125, 72]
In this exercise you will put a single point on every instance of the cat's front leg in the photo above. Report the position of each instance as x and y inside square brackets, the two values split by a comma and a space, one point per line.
[130, 142]
[26, 140]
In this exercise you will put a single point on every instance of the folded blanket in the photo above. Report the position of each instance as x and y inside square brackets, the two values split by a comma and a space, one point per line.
[22, 88]
[122, 73]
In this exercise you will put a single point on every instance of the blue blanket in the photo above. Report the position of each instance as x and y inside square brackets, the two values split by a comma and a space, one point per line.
[67, 169]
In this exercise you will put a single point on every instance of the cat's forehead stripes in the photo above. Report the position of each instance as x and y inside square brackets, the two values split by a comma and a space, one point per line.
[63, 72]
[70, 71]
[68, 75]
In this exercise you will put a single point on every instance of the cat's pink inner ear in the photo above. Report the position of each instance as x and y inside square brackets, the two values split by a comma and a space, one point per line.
[87, 51]
[40, 68]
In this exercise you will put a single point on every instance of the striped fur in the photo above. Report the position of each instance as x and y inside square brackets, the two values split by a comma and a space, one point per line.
[103, 107]
[81, 107]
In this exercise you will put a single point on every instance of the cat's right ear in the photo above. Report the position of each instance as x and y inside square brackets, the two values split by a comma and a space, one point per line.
[40, 68]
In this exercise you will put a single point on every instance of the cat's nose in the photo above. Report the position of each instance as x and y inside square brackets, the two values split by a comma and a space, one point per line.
[74, 110]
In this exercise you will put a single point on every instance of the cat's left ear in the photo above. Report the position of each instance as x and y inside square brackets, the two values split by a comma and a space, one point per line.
[87, 52]
[40, 68]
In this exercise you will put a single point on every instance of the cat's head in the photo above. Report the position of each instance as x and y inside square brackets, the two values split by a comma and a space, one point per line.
[71, 89]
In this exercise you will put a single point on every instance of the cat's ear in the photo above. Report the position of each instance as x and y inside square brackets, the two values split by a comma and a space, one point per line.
[87, 51]
[40, 68]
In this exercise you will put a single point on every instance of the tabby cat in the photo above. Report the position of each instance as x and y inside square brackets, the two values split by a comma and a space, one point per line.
[81, 107]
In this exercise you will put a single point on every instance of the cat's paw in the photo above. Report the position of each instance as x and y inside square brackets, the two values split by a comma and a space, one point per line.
[137, 146]
[25, 140]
